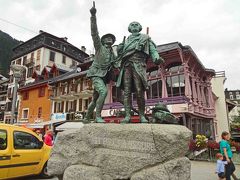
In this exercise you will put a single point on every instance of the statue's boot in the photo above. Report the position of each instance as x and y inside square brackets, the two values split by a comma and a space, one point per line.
[99, 106]
[143, 119]
[89, 113]
[100, 120]
[126, 120]
[127, 108]
[141, 108]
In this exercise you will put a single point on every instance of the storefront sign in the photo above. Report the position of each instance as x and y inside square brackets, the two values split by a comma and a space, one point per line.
[59, 116]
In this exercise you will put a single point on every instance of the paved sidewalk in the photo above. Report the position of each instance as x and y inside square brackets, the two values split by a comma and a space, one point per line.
[202, 170]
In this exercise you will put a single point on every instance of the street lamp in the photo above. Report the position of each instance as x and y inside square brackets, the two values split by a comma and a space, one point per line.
[17, 73]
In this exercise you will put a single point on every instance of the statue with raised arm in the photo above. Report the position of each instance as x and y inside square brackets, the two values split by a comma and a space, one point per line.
[133, 53]
[100, 69]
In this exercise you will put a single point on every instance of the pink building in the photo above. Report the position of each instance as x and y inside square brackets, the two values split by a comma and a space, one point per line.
[182, 83]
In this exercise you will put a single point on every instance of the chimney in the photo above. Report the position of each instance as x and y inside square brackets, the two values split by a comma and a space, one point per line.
[41, 31]
[65, 38]
[83, 48]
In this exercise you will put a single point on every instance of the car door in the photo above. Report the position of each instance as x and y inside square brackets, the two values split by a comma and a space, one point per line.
[26, 154]
[5, 153]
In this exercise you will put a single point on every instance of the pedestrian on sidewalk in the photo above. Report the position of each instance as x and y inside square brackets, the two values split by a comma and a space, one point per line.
[225, 150]
[220, 166]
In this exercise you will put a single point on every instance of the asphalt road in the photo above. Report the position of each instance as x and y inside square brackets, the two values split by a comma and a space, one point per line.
[200, 170]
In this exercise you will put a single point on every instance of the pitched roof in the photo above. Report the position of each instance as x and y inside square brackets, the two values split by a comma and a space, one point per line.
[66, 76]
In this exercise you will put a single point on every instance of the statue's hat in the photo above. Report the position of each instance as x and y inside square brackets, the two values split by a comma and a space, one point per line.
[108, 35]
[160, 106]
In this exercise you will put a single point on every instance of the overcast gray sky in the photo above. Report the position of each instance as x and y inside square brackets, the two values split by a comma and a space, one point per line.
[210, 27]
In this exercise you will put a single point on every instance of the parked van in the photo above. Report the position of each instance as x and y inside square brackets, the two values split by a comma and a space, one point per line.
[22, 152]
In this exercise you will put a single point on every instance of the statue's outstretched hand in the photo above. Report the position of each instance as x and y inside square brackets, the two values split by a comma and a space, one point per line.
[93, 10]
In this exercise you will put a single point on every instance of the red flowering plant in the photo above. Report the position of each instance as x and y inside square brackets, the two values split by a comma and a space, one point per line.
[236, 145]
[192, 145]
[213, 144]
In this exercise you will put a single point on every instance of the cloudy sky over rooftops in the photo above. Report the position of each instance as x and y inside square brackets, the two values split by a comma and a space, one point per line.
[210, 27]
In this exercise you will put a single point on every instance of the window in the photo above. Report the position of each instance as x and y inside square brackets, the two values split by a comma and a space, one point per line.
[85, 104]
[215, 128]
[74, 63]
[11, 78]
[30, 72]
[25, 114]
[175, 68]
[32, 57]
[9, 92]
[116, 94]
[231, 96]
[25, 95]
[41, 92]
[64, 59]
[18, 61]
[237, 96]
[155, 89]
[52, 56]
[58, 104]
[206, 97]
[13, 62]
[38, 67]
[80, 105]
[39, 112]
[175, 85]
[66, 107]
[24, 60]
[3, 139]
[38, 54]
[23, 140]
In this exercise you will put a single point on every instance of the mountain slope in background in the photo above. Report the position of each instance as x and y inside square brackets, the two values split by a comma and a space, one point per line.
[6, 45]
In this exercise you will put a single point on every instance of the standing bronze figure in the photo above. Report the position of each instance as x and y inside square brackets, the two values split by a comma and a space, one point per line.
[133, 53]
[99, 72]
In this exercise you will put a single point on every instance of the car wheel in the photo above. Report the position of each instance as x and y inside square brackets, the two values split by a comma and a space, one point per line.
[44, 173]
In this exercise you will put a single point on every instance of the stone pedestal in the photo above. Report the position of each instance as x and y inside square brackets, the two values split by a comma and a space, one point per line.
[122, 151]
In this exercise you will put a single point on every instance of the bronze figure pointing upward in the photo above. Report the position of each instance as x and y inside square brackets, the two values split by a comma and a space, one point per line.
[100, 70]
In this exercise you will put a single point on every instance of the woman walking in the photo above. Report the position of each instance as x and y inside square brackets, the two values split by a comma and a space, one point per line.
[226, 151]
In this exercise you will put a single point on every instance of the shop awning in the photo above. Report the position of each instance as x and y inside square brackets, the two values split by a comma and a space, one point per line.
[69, 126]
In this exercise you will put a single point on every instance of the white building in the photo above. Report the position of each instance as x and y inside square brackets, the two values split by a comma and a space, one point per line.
[42, 51]
[222, 106]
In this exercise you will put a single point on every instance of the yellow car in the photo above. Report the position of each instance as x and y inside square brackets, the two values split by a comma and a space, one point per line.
[22, 152]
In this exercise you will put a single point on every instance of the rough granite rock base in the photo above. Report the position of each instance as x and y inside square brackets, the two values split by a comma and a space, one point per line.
[122, 151]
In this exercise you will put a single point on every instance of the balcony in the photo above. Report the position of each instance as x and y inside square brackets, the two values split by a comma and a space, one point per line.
[3, 91]
[29, 63]
[23, 120]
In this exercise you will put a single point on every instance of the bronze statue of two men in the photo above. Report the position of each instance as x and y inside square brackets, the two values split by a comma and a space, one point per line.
[131, 61]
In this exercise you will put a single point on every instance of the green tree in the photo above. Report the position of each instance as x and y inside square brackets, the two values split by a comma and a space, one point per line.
[7, 43]
[236, 119]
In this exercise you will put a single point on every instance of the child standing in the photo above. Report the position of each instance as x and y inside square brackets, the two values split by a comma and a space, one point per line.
[220, 166]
